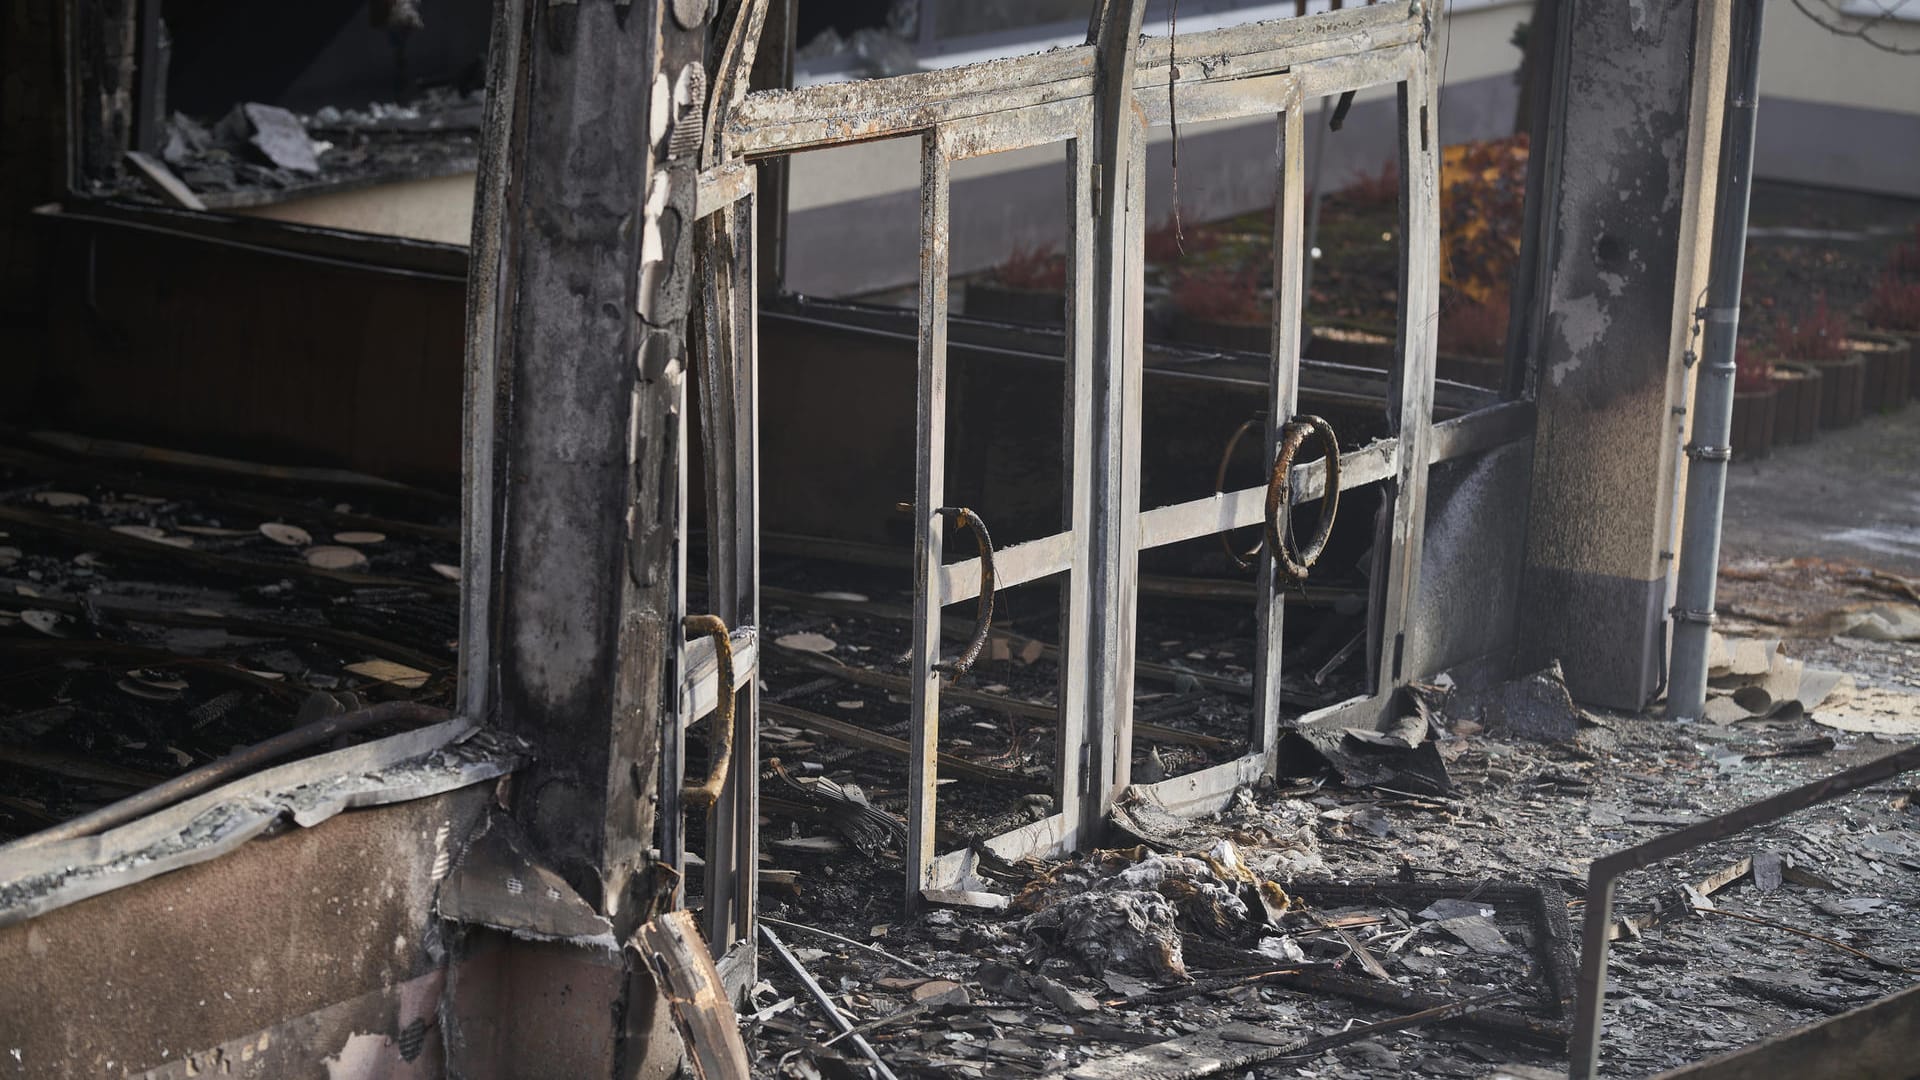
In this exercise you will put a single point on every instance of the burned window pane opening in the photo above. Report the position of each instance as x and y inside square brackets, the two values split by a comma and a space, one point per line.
[237, 106]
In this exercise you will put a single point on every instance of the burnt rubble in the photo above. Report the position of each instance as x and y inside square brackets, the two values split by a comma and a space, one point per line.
[259, 153]
[1329, 925]
[157, 617]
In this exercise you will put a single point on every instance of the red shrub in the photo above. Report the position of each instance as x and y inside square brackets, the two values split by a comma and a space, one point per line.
[1040, 269]
[1895, 305]
[1906, 258]
[1819, 335]
[1167, 245]
[1470, 327]
[1221, 294]
[1372, 190]
[1752, 370]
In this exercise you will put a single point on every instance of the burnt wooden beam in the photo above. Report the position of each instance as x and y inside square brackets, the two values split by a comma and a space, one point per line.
[1109, 427]
[576, 361]
[857, 736]
[575, 483]
[103, 42]
[672, 948]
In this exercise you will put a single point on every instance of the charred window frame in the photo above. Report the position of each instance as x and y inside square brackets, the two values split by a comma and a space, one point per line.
[1069, 96]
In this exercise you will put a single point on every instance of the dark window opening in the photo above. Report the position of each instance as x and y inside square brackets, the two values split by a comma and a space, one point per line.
[249, 104]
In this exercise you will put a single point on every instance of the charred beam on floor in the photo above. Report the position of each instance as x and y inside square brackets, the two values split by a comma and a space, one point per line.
[958, 628]
[98, 538]
[1029, 710]
[856, 736]
[325, 635]
[1550, 1034]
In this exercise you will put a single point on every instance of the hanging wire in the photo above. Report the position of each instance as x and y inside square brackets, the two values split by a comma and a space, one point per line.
[1173, 119]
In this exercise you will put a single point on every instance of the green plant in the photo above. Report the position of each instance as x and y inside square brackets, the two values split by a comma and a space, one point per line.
[1040, 269]
[1221, 294]
[1818, 336]
[1895, 304]
[1752, 370]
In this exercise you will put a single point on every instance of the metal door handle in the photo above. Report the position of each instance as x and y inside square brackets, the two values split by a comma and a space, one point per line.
[720, 740]
[1292, 564]
[983, 620]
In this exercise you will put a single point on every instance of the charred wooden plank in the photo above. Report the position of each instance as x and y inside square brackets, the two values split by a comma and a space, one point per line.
[1104, 760]
[573, 405]
[75, 767]
[1029, 710]
[323, 635]
[929, 494]
[674, 951]
[854, 735]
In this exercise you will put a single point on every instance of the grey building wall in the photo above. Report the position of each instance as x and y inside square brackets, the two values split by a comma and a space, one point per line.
[1828, 145]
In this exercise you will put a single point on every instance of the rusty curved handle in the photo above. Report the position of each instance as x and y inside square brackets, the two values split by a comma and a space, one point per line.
[983, 620]
[720, 740]
[1293, 564]
[1244, 560]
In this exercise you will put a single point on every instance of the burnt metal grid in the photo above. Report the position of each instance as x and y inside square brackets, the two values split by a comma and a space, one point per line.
[1067, 96]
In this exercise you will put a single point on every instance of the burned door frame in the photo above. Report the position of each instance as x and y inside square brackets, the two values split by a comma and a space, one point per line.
[1072, 96]
[724, 343]
[574, 594]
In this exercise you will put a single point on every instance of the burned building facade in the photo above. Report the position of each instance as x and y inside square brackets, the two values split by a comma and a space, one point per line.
[520, 741]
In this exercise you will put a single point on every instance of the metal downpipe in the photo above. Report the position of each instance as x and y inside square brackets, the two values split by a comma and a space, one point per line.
[1709, 449]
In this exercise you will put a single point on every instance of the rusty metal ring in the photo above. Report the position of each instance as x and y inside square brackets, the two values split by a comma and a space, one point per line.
[1246, 561]
[983, 620]
[1290, 563]
[720, 739]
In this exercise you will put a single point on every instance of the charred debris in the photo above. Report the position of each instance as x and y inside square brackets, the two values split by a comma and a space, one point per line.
[1393, 904]
[1395, 901]
[164, 611]
[258, 153]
